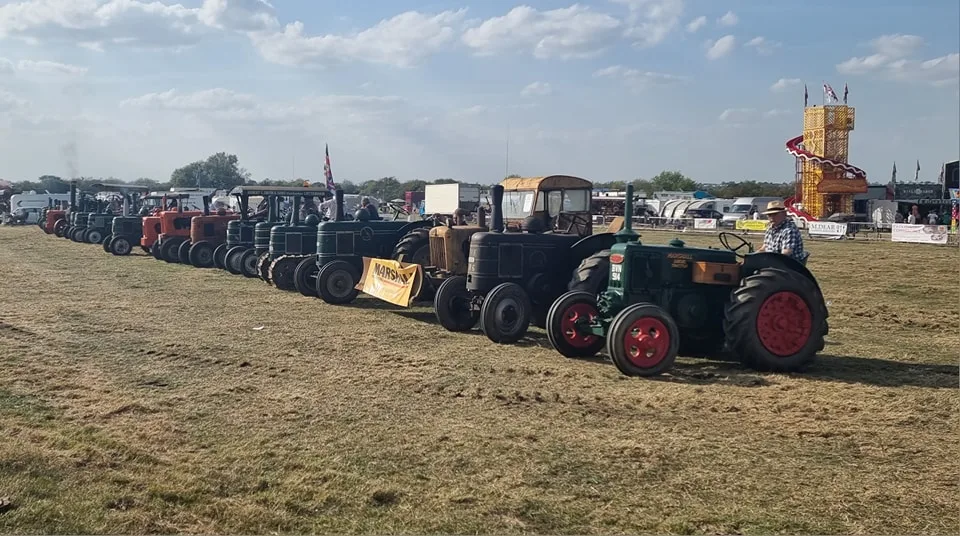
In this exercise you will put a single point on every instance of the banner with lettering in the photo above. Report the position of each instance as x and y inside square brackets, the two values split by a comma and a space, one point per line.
[704, 223]
[919, 234]
[391, 281]
[826, 229]
[751, 225]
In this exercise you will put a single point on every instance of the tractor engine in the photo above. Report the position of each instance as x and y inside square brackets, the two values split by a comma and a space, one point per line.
[449, 247]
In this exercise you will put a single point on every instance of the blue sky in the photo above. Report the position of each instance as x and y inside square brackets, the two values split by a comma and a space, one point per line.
[606, 90]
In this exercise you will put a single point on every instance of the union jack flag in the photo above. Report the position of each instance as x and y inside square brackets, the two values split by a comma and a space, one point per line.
[830, 92]
[331, 186]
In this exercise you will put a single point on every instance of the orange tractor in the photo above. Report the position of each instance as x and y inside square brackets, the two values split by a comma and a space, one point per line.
[174, 230]
[207, 232]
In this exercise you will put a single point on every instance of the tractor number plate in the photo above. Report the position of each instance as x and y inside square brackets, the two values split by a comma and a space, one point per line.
[615, 272]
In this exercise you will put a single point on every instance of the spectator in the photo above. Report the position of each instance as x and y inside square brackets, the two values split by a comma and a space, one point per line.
[370, 208]
[932, 218]
[782, 236]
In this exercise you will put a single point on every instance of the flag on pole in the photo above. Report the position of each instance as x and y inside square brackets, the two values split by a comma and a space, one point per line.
[331, 186]
[893, 176]
[845, 91]
[943, 183]
[829, 92]
[805, 96]
[916, 176]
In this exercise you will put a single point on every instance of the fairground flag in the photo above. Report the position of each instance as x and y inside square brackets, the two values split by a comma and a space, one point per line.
[954, 216]
[805, 96]
[845, 91]
[830, 92]
[331, 186]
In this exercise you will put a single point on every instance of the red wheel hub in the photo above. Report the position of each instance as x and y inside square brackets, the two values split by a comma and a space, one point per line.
[646, 342]
[578, 313]
[784, 323]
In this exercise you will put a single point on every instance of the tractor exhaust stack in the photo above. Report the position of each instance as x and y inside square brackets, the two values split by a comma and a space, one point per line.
[206, 205]
[496, 208]
[338, 195]
[73, 194]
[481, 217]
[626, 234]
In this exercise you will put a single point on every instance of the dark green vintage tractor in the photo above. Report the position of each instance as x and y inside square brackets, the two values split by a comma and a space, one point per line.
[78, 214]
[342, 244]
[517, 269]
[127, 230]
[765, 308]
[291, 243]
[100, 224]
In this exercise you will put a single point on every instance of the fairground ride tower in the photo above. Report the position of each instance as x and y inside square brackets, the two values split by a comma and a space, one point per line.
[825, 182]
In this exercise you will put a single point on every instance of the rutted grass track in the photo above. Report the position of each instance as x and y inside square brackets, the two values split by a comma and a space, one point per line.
[136, 396]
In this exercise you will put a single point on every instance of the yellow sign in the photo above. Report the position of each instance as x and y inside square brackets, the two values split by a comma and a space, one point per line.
[391, 281]
[751, 225]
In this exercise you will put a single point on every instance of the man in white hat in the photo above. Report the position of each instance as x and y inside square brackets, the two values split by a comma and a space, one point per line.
[782, 236]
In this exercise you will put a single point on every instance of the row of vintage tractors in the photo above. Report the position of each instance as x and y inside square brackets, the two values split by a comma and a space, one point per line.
[538, 262]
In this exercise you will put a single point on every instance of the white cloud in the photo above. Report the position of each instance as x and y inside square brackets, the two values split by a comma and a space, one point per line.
[721, 47]
[742, 116]
[785, 83]
[7, 66]
[697, 23]
[241, 15]
[638, 80]
[572, 32]
[651, 21]
[402, 41]
[777, 112]
[892, 59]
[762, 45]
[40, 67]
[537, 88]
[728, 19]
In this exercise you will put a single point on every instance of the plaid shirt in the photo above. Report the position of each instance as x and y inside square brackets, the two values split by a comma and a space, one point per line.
[785, 236]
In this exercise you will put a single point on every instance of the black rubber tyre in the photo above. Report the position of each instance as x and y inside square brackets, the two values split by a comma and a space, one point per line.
[505, 314]
[248, 263]
[59, 227]
[643, 340]
[155, 250]
[220, 256]
[93, 236]
[183, 253]
[120, 245]
[281, 272]
[776, 320]
[146, 250]
[169, 249]
[76, 235]
[593, 273]
[201, 254]
[451, 305]
[562, 319]
[336, 281]
[106, 243]
[414, 247]
[263, 267]
[232, 259]
[305, 277]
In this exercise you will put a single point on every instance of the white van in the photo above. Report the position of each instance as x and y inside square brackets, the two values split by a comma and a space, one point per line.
[744, 207]
[27, 205]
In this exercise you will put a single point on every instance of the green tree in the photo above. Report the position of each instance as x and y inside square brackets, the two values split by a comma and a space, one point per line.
[412, 186]
[53, 184]
[220, 170]
[445, 181]
[349, 187]
[385, 188]
[673, 181]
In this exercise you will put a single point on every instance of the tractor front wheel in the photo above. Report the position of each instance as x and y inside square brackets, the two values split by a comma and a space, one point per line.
[231, 260]
[776, 321]
[452, 305]
[505, 314]
[281, 272]
[248, 263]
[106, 243]
[566, 322]
[59, 227]
[643, 340]
[183, 253]
[169, 249]
[305, 277]
[336, 281]
[93, 236]
[201, 254]
[120, 245]
[220, 256]
[155, 250]
[263, 267]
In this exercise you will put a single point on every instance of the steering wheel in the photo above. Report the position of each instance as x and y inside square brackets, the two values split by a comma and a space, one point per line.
[579, 221]
[398, 210]
[736, 250]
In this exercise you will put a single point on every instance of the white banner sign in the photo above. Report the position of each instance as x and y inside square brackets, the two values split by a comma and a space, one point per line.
[704, 223]
[826, 229]
[919, 234]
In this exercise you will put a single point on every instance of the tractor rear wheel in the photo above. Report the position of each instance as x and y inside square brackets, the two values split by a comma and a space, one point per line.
[248, 263]
[565, 322]
[120, 245]
[414, 247]
[281, 272]
[336, 281]
[505, 314]
[643, 340]
[452, 305]
[183, 253]
[169, 249]
[106, 243]
[776, 321]
[592, 274]
[231, 260]
[263, 267]
[220, 256]
[201, 254]
[305, 276]
[155, 250]
[93, 236]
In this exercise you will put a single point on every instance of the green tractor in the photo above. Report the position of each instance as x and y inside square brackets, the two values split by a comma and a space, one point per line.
[249, 237]
[765, 308]
[78, 214]
[292, 242]
[333, 273]
[126, 231]
[541, 229]
[100, 224]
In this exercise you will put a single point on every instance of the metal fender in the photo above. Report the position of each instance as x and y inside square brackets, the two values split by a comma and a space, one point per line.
[587, 246]
[753, 262]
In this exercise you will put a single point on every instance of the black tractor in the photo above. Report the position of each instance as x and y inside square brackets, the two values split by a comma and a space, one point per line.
[764, 308]
[100, 224]
[291, 243]
[528, 259]
[126, 231]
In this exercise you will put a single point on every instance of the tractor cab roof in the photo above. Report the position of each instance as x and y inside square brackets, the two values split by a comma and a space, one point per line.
[278, 190]
[549, 182]
[122, 188]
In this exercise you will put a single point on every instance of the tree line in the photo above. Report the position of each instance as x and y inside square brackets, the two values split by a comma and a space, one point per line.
[223, 171]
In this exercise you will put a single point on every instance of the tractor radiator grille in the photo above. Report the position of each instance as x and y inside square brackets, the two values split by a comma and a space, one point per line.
[438, 255]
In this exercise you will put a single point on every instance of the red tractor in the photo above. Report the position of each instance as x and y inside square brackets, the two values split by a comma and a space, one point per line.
[174, 230]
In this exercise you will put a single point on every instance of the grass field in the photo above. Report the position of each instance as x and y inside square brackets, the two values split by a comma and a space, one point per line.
[138, 396]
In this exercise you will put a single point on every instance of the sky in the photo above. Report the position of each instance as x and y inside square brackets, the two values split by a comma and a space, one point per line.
[602, 89]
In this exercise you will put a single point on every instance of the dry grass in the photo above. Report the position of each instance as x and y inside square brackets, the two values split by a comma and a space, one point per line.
[135, 396]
